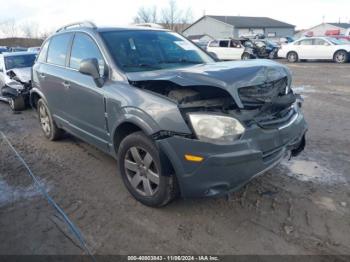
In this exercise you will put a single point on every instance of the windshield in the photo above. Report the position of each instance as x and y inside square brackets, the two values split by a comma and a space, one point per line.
[19, 61]
[338, 41]
[135, 51]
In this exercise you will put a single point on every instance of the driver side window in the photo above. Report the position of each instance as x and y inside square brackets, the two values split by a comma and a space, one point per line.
[84, 47]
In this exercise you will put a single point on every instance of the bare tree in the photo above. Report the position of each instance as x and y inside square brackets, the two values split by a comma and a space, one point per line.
[30, 29]
[9, 28]
[146, 15]
[45, 34]
[170, 15]
[174, 18]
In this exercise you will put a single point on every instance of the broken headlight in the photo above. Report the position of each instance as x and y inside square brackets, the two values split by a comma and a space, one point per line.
[216, 128]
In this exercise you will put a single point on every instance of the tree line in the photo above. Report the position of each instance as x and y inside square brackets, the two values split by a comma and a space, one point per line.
[170, 17]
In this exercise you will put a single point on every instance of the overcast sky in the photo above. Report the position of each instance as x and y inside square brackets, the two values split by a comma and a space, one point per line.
[50, 14]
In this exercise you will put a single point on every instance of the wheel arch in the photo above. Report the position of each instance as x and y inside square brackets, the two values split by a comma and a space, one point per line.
[339, 50]
[292, 51]
[34, 96]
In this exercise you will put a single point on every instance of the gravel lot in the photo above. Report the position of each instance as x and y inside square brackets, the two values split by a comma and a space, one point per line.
[299, 207]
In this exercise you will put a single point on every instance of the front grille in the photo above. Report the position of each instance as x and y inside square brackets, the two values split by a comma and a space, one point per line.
[257, 96]
[278, 120]
[273, 101]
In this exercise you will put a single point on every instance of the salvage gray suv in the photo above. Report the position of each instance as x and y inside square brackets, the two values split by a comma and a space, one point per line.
[177, 121]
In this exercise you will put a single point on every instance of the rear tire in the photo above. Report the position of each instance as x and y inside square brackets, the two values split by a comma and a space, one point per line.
[143, 173]
[340, 57]
[17, 103]
[48, 126]
[292, 57]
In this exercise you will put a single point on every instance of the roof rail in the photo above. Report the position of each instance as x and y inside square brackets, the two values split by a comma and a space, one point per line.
[77, 24]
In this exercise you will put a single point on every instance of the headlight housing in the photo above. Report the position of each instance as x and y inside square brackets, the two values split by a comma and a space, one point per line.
[216, 128]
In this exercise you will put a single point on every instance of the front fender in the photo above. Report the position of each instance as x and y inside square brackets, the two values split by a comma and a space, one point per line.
[137, 117]
[32, 95]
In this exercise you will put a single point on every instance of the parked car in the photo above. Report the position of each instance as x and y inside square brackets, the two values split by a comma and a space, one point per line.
[17, 49]
[226, 49]
[15, 78]
[286, 40]
[316, 48]
[261, 48]
[3, 49]
[177, 121]
[34, 49]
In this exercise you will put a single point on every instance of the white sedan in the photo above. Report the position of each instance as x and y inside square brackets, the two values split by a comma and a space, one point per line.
[316, 48]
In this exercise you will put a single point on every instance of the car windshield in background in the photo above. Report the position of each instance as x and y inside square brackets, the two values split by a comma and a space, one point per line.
[338, 41]
[135, 51]
[19, 61]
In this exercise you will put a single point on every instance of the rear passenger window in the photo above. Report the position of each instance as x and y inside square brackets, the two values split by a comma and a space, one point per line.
[84, 47]
[306, 42]
[318, 41]
[43, 52]
[224, 43]
[58, 49]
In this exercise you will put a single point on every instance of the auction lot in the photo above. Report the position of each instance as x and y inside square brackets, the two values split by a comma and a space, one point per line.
[299, 207]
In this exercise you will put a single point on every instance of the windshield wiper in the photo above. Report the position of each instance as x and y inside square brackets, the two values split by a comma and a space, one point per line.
[143, 66]
[181, 61]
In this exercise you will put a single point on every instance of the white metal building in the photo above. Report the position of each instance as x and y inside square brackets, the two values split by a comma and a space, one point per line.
[322, 29]
[236, 26]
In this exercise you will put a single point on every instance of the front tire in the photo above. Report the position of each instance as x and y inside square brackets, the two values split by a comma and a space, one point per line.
[341, 57]
[292, 57]
[48, 126]
[246, 56]
[143, 173]
[17, 103]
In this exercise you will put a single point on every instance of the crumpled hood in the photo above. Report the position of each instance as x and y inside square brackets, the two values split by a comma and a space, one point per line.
[23, 74]
[226, 75]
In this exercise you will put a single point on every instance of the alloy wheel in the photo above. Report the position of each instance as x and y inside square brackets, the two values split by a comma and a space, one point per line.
[292, 57]
[340, 57]
[141, 171]
[44, 119]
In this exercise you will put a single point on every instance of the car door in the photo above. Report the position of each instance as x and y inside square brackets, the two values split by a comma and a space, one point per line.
[224, 50]
[236, 50]
[86, 102]
[322, 49]
[49, 75]
[304, 49]
[220, 48]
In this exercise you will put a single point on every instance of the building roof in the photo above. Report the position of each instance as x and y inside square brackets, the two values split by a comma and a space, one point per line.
[195, 37]
[342, 25]
[249, 22]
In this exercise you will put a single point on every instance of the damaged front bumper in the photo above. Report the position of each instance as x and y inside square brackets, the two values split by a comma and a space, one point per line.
[227, 168]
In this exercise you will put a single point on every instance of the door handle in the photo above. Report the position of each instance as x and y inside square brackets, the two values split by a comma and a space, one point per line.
[66, 84]
[42, 75]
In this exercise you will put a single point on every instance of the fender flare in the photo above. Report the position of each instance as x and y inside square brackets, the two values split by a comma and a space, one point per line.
[138, 118]
[341, 50]
[35, 91]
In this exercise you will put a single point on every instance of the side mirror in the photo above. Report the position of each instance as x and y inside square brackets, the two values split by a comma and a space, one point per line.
[90, 67]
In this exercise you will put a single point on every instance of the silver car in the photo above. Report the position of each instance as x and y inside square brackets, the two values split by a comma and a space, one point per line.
[178, 122]
[15, 78]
